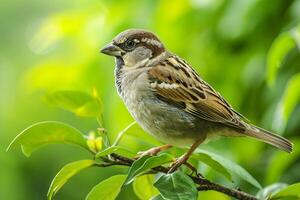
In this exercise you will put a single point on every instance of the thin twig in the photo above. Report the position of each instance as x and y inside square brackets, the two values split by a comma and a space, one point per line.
[108, 164]
[204, 184]
[231, 192]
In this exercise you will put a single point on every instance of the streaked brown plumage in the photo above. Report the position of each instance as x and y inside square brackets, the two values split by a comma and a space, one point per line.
[170, 100]
[200, 99]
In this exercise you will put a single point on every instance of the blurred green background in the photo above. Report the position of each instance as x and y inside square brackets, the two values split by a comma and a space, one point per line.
[248, 50]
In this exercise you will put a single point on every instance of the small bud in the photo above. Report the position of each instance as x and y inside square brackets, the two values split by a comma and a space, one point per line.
[94, 143]
[98, 144]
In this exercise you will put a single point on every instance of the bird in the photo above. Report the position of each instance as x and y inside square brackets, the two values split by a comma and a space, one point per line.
[171, 101]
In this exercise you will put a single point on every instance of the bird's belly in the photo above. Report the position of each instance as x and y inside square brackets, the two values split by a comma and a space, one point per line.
[167, 123]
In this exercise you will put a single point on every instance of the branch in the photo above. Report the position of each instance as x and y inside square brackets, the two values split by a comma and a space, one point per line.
[204, 184]
[231, 192]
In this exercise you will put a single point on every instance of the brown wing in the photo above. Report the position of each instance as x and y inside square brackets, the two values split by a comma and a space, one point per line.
[176, 82]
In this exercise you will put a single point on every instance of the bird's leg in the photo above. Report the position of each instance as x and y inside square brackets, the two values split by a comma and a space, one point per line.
[153, 151]
[182, 159]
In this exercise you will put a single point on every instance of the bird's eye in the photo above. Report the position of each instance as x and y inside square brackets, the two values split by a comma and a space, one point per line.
[129, 44]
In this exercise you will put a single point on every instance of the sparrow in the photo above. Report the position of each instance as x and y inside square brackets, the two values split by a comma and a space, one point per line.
[169, 100]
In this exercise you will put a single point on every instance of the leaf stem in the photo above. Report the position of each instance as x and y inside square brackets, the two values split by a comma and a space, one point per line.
[99, 120]
[121, 133]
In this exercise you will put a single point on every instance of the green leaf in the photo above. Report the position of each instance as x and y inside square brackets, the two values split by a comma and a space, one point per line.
[157, 197]
[211, 194]
[80, 103]
[291, 190]
[115, 149]
[107, 189]
[289, 100]
[268, 191]
[143, 187]
[208, 160]
[291, 97]
[176, 186]
[66, 173]
[280, 48]
[232, 167]
[144, 163]
[48, 132]
[280, 161]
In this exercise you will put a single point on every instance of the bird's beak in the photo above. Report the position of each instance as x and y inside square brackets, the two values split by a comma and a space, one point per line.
[112, 50]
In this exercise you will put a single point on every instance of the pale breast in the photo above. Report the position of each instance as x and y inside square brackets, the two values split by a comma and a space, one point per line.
[166, 122]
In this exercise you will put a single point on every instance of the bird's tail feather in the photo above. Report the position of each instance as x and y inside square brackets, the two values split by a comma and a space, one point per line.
[270, 138]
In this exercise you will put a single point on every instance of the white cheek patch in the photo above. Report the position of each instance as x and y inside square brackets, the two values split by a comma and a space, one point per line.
[164, 85]
[143, 52]
[137, 57]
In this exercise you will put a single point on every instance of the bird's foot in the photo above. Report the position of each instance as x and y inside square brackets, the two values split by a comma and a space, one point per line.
[177, 163]
[153, 151]
[193, 169]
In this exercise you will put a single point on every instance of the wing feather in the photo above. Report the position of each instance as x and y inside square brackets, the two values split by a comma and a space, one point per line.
[175, 81]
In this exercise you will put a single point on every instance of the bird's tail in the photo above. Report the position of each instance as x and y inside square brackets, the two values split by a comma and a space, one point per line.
[270, 138]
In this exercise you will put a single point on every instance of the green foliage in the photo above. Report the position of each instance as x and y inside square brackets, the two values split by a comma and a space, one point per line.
[66, 173]
[279, 50]
[228, 166]
[279, 191]
[280, 162]
[268, 191]
[47, 132]
[107, 189]
[288, 102]
[176, 186]
[213, 195]
[146, 162]
[157, 197]
[289, 191]
[291, 96]
[143, 187]
[31, 139]
[114, 149]
[170, 186]
[208, 160]
[80, 103]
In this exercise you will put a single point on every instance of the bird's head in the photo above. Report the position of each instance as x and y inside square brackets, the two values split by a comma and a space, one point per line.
[134, 46]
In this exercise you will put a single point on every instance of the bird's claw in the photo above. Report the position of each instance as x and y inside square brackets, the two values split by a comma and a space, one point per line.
[193, 170]
[177, 163]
